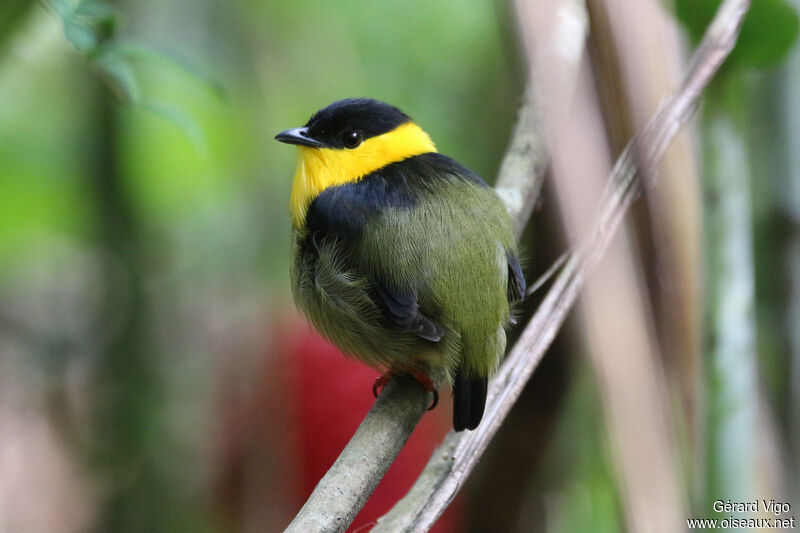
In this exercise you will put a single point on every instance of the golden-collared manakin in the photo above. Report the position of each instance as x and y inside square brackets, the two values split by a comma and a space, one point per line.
[402, 257]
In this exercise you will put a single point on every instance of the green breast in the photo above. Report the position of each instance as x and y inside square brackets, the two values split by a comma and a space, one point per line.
[425, 225]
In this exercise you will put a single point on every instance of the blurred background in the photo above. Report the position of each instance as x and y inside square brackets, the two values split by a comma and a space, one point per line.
[154, 374]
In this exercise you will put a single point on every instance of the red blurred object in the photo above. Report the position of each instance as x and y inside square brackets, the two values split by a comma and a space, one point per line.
[312, 398]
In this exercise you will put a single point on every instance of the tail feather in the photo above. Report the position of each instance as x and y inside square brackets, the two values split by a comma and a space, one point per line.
[469, 400]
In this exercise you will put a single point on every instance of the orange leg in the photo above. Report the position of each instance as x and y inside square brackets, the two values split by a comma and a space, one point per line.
[420, 376]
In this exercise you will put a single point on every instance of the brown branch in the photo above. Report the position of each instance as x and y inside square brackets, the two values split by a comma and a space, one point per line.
[452, 462]
[347, 485]
[519, 181]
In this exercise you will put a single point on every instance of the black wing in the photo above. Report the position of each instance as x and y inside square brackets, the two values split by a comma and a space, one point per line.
[403, 310]
[516, 279]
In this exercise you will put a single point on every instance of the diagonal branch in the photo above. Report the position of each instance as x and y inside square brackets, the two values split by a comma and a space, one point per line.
[347, 485]
[452, 462]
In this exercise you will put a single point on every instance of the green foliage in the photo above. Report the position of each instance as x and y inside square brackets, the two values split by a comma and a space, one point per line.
[86, 24]
[133, 51]
[90, 26]
[768, 33]
[11, 13]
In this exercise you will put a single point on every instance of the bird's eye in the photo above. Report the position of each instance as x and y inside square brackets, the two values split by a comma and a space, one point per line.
[351, 139]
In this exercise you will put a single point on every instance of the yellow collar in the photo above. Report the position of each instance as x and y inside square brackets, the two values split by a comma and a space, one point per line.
[320, 168]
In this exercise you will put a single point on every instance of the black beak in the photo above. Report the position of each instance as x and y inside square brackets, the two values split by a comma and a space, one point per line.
[297, 136]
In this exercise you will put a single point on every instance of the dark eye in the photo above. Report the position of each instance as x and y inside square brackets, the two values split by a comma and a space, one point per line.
[351, 139]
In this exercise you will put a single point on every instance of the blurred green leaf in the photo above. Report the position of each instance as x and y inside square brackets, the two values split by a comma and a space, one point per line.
[768, 33]
[86, 25]
[82, 37]
[62, 8]
[12, 12]
[99, 16]
[135, 50]
[120, 76]
[95, 10]
[90, 26]
[182, 120]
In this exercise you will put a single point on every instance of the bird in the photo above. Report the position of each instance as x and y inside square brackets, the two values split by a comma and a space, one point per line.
[401, 256]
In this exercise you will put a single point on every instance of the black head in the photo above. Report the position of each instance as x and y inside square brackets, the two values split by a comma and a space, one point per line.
[345, 124]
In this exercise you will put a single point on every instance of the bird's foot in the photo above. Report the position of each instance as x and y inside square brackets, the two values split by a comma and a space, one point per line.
[420, 376]
[380, 383]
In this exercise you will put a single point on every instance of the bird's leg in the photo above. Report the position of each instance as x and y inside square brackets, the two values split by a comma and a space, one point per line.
[417, 374]
[427, 384]
[381, 382]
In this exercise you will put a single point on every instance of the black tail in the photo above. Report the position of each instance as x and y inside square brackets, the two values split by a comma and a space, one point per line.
[469, 399]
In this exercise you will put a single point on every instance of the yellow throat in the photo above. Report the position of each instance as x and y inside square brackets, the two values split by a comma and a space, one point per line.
[320, 168]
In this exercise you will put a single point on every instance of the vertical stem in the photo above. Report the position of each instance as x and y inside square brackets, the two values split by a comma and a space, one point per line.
[125, 442]
[118, 421]
[730, 329]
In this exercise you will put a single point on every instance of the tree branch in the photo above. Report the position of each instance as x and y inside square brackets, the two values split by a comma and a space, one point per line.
[519, 181]
[452, 462]
[347, 485]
